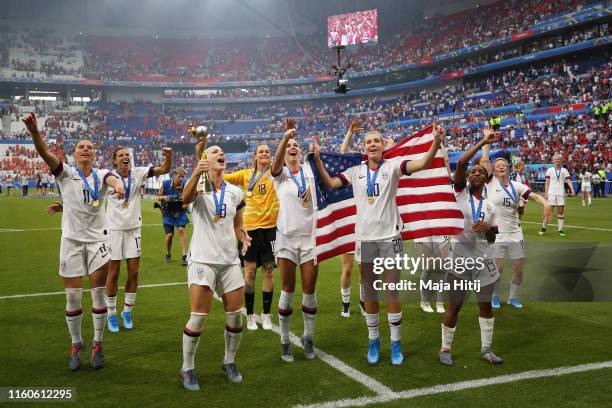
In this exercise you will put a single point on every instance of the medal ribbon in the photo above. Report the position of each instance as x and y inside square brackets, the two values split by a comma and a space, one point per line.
[372, 182]
[512, 195]
[219, 203]
[301, 188]
[93, 193]
[256, 180]
[128, 187]
[475, 212]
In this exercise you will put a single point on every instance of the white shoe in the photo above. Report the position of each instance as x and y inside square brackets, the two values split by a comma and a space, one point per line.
[251, 323]
[426, 307]
[266, 321]
[440, 307]
[345, 314]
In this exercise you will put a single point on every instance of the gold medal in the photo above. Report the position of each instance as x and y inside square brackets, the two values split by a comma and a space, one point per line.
[216, 218]
[249, 194]
[370, 200]
[95, 203]
[126, 204]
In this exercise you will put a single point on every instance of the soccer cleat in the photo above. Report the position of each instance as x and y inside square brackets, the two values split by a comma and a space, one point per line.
[445, 357]
[232, 372]
[97, 356]
[440, 307]
[426, 307]
[373, 351]
[362, 308]
[561, 233]
[126, 316]
[168, 259]
[308, 344]
[266, 321]
[184, 260]
[495, 302]
[75, 356]
[515, 302]
[488, 355]
[397, 357]
[113, 323]
[190, 382]
[286, 353]
[345, 312]
[542, 231]
[251, 323]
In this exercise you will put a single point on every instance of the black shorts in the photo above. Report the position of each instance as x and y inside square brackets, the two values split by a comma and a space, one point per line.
[169, 229]
[261, 249]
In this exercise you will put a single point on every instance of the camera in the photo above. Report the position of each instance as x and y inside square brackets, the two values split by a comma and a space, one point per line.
[173, 206]
[342, 86]
[339, 72]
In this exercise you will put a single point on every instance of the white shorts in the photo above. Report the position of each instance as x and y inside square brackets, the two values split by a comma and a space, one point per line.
[586, 188]
[435, 244]
[369, 250]
[298, 249]
[509, 243]
[487, 273]
[82, 258]
[220, 278]
[126, 244]
[556, 200]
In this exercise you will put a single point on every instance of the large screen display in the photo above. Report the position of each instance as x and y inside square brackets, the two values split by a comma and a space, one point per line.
[356, 28]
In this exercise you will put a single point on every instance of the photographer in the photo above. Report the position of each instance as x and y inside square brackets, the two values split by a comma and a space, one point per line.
[173, 212]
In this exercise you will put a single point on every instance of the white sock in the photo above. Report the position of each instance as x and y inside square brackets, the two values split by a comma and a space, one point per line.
[425, 277]
[345, 293]
[111, 305]
[514, 289]
[544, 223]
[191, 339]
[582, 202]
[589, 198]
[74, 313]
[128, 304]
[560, 221]
[98, 311]
[309, 313]
[448, 334]
[372, 322]
[285, 312]
[486, 331]
[395, 325]
[233, 333]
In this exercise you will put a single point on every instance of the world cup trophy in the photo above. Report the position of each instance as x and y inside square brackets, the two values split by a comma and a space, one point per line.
[201, 133]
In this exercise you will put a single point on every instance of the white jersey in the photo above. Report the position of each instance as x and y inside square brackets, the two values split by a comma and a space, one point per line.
[586, 179]
[505, 206]
[120, 218]
[81, 221]
[557, 180]
[293, 217]
[215, 242]
[44, 179]
[380, 220]
[596, 178]
[469, 243]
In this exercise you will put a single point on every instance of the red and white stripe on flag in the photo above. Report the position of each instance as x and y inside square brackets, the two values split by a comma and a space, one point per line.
[425, 199]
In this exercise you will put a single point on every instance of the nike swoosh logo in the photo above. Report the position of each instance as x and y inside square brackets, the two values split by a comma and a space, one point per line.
[360, 177]
[104, 255]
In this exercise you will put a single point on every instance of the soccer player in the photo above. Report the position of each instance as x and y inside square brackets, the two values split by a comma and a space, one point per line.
[377, 228]
[295, 239]
[172, 189]
[554, 192]
[214, 264]
[518, 175]
[585, 178]
[124, 221]
[348, 259]
[85, 246]
[473, 243]
[260, 215]
[25, 182]
[506, 194]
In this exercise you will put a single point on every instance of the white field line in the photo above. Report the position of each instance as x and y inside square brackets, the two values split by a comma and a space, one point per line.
[463, 385]
[569, 226]
[332, 361]
[54, 228]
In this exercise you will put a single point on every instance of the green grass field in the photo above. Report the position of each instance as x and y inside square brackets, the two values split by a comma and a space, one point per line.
[142, 365]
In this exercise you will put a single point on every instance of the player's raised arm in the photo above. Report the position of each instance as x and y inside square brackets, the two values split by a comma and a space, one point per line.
[354, 128]
[423, 162]
[279, 156]
[485, 161]
[165, 167]
[189, 191]
[42, 149]
[329, 181]
[114, 183]
[460, 172]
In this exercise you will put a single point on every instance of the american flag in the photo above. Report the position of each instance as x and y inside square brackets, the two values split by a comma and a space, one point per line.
[425, 199]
